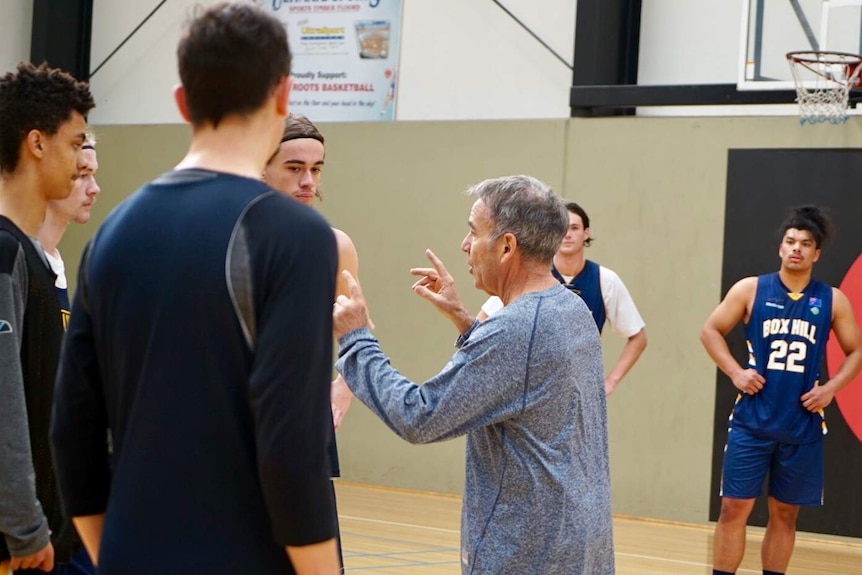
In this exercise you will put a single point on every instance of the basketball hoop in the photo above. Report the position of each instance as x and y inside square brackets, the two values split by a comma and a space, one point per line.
[823, 83]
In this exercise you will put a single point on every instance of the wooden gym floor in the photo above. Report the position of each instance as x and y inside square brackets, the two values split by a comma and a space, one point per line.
[393, 532]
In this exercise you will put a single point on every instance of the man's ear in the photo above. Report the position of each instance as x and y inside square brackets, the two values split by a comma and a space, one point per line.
[282, 95]
[34, 143]
[180, 99]
[510, 243]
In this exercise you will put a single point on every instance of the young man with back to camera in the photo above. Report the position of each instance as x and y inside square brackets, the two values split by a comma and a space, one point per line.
[207, 355]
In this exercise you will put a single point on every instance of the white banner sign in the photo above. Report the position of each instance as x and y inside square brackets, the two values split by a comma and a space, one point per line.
[345, 57]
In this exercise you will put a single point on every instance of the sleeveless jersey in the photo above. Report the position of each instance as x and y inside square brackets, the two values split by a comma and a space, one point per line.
[587, 284]
[59, 269]
[786, 336]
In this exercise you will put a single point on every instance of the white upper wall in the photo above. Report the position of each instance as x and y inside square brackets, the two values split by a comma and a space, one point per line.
[689, 42]
[136, 85]
[460, 59]
[467, 59]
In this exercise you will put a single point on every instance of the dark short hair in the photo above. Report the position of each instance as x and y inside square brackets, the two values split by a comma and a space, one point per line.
[809, 218]
[297, 126]
[528, 209]
[36, 98]
[585, 219]
[231, 57]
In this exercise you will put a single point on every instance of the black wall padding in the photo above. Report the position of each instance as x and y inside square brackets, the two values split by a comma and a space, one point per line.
[61, 35]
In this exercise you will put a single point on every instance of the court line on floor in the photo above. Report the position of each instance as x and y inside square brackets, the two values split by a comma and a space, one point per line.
[398, 553]
[376, 567]
[620, 553]
[428, 551]
[679, 561]
[397, 524]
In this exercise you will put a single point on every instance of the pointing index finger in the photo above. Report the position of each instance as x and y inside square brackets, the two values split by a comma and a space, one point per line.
[438, 265]
[353, 286]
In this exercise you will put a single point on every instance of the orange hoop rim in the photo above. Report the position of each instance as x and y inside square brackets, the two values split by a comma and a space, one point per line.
[815, 60]
[822, 57]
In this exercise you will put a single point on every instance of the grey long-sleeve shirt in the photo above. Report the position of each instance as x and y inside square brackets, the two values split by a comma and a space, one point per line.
[22, 521]
[527, 388]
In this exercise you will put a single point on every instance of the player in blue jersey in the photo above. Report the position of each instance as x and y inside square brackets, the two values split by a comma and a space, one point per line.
[601, 289]
[777, 424]
[74, 209]
[295, 170]
[200, 342]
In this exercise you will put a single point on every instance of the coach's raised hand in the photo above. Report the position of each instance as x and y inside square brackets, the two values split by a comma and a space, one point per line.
[437, 286]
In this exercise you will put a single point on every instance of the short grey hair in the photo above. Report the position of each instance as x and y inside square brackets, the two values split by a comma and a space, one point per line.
[528, 209]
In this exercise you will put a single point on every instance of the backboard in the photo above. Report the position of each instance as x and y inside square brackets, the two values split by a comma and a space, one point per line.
[772, 28]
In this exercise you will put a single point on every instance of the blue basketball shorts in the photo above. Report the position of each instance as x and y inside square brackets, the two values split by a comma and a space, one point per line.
[795, 471]
[79, 564]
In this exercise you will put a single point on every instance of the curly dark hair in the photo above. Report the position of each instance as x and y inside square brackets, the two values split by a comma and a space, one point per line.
[230, 59]
[809, 218]
[36, 98]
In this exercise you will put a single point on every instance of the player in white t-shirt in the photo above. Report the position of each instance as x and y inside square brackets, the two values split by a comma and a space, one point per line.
[602, 290]
[75, 208]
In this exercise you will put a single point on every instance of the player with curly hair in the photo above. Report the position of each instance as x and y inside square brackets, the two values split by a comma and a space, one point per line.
[777, 425]
[42, 129]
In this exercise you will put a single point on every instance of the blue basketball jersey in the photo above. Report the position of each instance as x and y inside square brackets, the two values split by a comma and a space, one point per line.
[786, 336]
[587, 284]
[63, 296]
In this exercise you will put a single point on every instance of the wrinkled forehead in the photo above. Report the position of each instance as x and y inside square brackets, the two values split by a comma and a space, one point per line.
[479, 214]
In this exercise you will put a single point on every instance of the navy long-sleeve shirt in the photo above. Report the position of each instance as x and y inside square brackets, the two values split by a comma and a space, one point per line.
[201, 337]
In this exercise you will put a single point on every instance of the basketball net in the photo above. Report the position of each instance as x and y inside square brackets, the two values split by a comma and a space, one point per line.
[823, 82]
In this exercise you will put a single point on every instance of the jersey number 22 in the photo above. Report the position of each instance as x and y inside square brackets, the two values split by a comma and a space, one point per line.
[787, 356]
